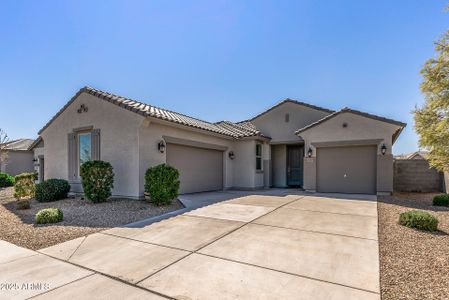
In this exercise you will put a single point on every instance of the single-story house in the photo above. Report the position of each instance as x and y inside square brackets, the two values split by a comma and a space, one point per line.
[421, 155]
[19, 158]
[292, 144]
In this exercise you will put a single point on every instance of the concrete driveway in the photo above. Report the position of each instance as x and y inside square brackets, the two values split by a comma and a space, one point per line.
[280, 246]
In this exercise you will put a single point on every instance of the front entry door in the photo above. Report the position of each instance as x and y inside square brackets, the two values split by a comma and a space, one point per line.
[294, 165]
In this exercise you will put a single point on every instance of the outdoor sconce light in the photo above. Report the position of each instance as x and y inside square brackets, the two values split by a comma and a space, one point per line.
[383, 149]
[309, 152]
[161, 146]
[231, 154]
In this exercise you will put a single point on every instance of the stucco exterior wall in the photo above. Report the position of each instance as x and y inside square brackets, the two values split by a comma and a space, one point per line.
[151, 133]
[18, 162]
[118, 141]
[358, 128]
[273, 123]
[244, 171]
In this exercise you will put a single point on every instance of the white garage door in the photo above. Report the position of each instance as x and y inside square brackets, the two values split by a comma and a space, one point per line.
[347, 169]
[200, 169]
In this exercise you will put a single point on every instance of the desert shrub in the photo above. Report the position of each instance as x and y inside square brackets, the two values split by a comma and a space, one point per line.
[441, 200]
[97, 178]
[49, 215]
[162, 183]
[52, 190]
[6, 180]
[419, 219]
[24, 185]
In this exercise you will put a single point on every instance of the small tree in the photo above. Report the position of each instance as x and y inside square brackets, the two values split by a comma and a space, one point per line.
[24, 188]
[432, 120]
[97, 178]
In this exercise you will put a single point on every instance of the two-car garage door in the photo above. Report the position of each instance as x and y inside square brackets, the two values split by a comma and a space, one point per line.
[200, 169]
[347, 169]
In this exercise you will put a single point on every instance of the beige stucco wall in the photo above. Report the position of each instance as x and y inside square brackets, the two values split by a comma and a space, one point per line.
[18, 162]
[244, 171]
[152, 132]
[359, 128]
[119, 141]
[273, 123]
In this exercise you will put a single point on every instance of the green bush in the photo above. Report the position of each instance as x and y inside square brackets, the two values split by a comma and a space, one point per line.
[24, 185]
[162, 183]
[441, 200]
[49, 215]
[52, 190]
[6, 180]
[97, 178]
[419, 219]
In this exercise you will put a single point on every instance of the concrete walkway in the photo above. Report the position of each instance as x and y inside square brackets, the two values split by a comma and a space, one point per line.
[270, 246]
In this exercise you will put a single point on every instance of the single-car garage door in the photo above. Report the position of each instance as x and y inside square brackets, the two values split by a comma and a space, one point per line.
[347, 169]
[199, 169]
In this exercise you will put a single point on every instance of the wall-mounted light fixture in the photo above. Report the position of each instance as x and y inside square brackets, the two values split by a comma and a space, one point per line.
[161, 146]
[309, 152]
[383, 149]
[231, 154]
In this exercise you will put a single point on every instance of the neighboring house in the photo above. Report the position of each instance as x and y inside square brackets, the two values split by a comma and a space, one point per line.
[19, 158]
[414, 155]
[291, 144]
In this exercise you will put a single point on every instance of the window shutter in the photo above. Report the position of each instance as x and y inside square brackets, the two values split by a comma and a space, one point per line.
[96, 144]
[72, 156]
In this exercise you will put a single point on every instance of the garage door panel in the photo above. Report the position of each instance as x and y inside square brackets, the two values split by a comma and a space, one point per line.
[347, 169]
[200, 169]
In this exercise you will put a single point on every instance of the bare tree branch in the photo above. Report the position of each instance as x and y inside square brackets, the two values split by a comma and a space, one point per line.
[4, 139]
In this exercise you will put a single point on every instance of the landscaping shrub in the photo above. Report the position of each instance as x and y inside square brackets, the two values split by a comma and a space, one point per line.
[97, 178]
[49, 215]
[6, 180]
[162, 183]
[24, 186]
[441, 200]
[419, 220]
[52, 190]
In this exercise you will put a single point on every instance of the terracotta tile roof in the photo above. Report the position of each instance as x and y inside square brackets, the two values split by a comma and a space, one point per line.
[360, 113]
[346, 109]
[244, 129]
[18, 145]
[225, 128]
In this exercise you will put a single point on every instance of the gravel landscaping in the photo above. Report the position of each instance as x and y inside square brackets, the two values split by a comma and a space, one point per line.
[413, 264]
[81, 217]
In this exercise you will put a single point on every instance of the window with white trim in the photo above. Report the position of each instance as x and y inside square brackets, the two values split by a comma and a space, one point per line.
[259, 157]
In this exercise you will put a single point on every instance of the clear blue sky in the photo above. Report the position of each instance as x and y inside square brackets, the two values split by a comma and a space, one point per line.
[216, 59]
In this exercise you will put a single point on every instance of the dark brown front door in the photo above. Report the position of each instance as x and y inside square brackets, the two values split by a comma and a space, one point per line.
[294, 165]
